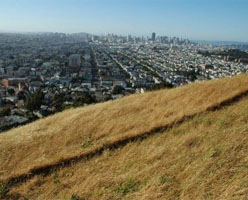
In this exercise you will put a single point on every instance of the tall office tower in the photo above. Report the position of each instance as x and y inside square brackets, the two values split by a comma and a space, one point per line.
[153, 36]
[74, 60]
[129, 38]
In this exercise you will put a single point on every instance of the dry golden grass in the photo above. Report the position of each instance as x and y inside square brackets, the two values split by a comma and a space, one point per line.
[203, 158]
[81, 130]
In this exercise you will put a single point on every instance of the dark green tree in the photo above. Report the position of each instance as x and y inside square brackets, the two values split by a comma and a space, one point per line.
[11, 91]
[21, 96]
[85, 98]
[34, 101]
[118, 90]
[162, 85]
[5, 111]
[59, 99]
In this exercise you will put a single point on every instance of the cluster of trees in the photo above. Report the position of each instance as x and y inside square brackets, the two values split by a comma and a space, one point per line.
[35, 100]
[205, 53]
[191, 74]
[234, 53]
[162, 85]
[5, 111]
[118, 90]
[84, 98]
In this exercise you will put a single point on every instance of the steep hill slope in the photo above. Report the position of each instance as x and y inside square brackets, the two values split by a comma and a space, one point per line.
[196, 149]
[203, 158]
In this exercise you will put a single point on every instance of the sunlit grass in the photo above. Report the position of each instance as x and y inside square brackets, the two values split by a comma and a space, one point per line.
[158, 159]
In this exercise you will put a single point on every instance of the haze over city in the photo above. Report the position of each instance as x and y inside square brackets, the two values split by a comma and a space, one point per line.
[224, 20]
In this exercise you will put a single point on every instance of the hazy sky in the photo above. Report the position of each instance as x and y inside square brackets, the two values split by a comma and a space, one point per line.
[193, 19]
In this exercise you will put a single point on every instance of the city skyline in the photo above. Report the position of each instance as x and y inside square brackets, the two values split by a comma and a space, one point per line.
[196, 20]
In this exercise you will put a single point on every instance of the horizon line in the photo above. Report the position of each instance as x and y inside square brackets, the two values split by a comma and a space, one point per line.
[105, 34]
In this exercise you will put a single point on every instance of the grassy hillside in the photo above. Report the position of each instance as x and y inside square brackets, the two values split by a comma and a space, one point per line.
[204, 158]
[197, 147]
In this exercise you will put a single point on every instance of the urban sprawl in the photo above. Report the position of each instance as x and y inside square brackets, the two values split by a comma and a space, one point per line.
[45, 73]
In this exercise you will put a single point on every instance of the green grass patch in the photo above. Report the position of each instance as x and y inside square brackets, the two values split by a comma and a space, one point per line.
[128, 186]
[166, 178]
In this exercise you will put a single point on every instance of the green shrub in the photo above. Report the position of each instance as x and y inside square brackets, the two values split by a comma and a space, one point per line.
[56, 180]
[163, 179]
[87, 141]
[167, 178]
[128, 187]
[76, 197]
[3, 190]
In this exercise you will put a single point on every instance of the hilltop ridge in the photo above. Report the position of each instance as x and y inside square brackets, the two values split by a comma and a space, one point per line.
[72, 141]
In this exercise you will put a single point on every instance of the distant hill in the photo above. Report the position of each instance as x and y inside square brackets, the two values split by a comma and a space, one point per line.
[221, 43]
[82, 34]
[185, 143]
